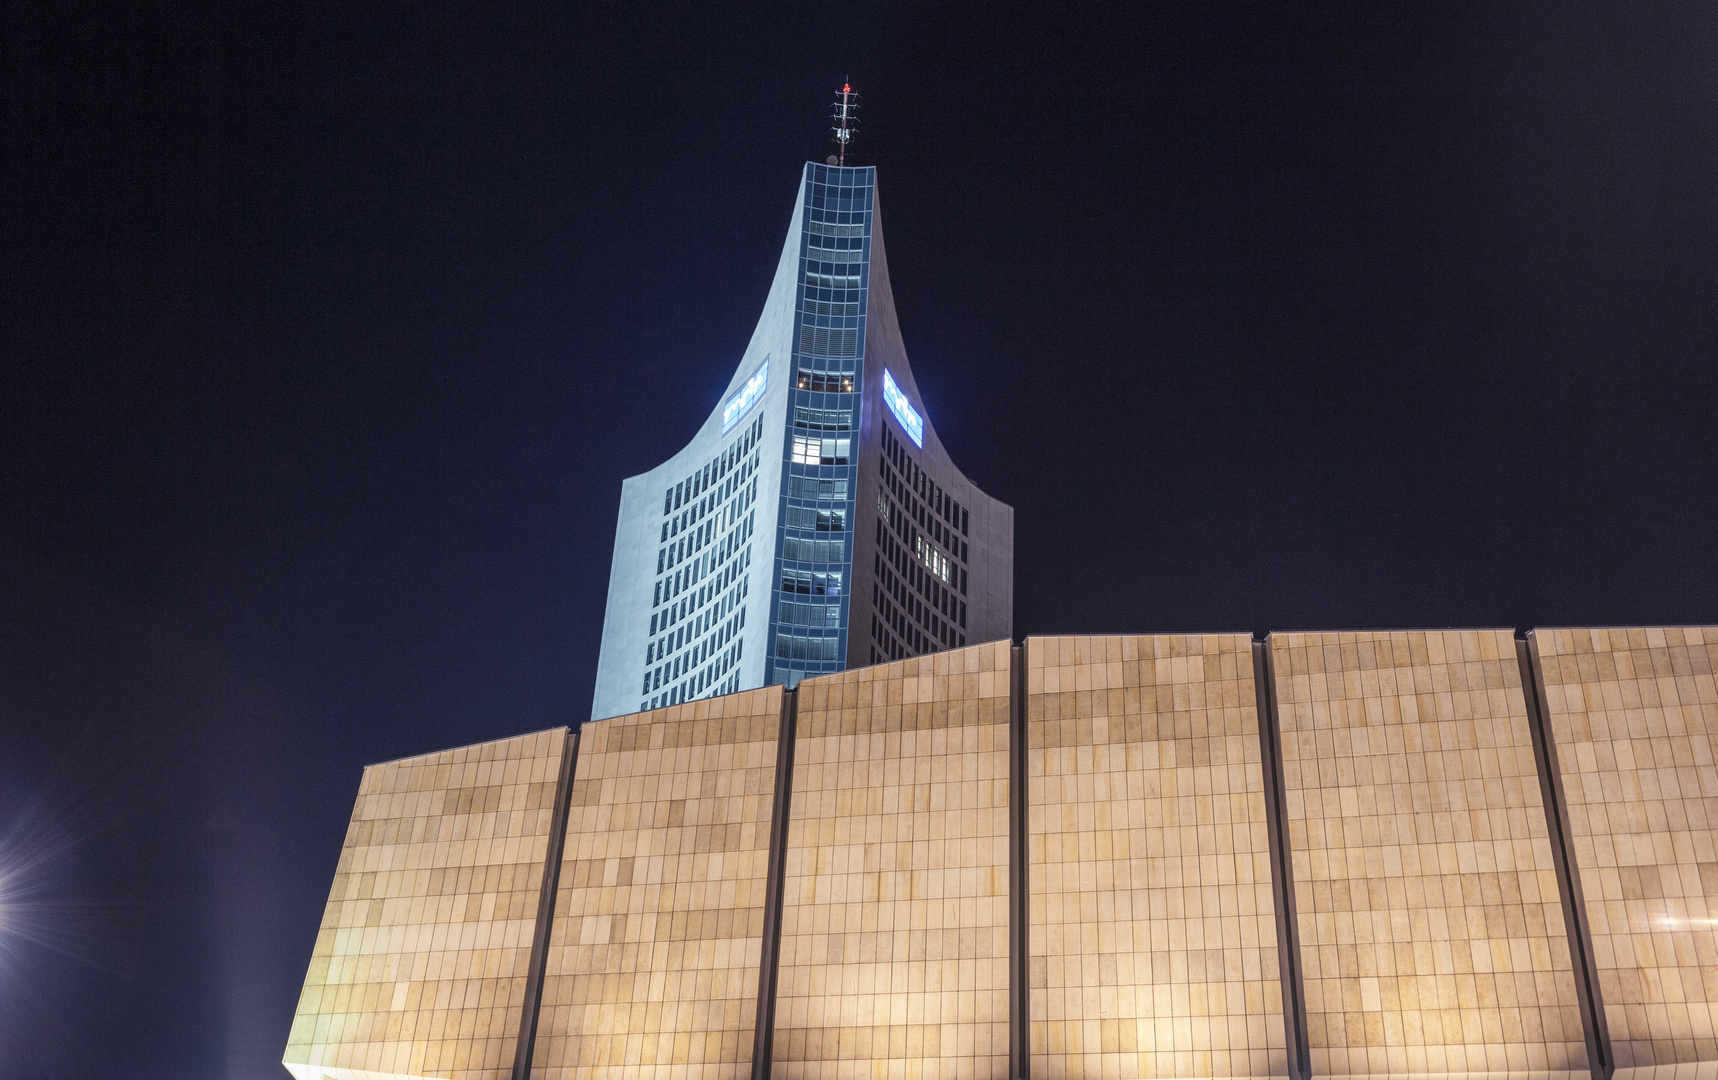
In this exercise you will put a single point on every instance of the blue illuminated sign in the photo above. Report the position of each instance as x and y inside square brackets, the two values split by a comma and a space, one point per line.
[749, 395]
[911, 421]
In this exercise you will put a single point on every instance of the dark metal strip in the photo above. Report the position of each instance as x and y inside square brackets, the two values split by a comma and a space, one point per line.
[1563, 857]
[1282, 869]
[769, 964]
[546, 908]
[1019, 910]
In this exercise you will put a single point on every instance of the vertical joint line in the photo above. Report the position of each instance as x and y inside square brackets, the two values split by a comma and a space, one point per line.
[556, 848]
[1282, 870]
[1019, 992]
[769, 964]
[1563, 857]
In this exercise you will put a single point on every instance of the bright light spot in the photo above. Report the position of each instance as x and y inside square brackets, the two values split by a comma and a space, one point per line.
[911, 422]
[749, 395]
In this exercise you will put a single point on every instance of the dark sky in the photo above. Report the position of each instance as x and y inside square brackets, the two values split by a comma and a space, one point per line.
[329, 331]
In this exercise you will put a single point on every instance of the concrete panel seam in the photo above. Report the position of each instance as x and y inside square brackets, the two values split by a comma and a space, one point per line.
[1563, 857]
[556, 847]
[1282, 876]
[1019, 940]
[769, 964]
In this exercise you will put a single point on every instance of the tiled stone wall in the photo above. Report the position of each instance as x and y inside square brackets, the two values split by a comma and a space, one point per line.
[1153, 930]
[419, 968]
[1432, 937]
[653, 961]
[1634, 713]
[894, 950]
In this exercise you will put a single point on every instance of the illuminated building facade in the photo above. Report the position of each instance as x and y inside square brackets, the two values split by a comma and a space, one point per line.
[1374, 855]
[815, 521]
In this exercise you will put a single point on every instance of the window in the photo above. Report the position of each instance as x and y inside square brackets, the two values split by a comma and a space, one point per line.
[934, 560]
[797, 550]
[812, 487]
[803, 517]
[806, 583]
[808, 451]
[823, 419]
[794, 647]
[829, 384]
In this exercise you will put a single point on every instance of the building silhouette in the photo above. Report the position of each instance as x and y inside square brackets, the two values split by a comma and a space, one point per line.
[815, 521]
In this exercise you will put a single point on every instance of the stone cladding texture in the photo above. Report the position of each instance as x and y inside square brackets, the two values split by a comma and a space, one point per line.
[1634, 713]
[1432, 937]
[658, 927]
[894, 949]
[419, 967]
[1153, 930]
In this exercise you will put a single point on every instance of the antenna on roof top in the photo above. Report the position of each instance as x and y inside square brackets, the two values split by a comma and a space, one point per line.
[847, 121]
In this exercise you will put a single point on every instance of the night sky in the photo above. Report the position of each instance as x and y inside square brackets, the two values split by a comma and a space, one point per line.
[329, 331]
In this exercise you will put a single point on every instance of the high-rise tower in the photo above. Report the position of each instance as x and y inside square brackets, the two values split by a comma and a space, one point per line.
[815, 522]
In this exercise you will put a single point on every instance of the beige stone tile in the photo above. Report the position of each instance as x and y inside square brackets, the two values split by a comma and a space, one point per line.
[1431, 932]
[657, 936]
[1152, 925]
[420, 965]
[1634, 713]
[895, 908]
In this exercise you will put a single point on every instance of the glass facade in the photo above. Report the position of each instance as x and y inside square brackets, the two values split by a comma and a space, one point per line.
[809, 617]
[744, 561]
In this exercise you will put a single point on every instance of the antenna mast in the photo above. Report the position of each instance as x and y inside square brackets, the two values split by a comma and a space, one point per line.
[847, 122]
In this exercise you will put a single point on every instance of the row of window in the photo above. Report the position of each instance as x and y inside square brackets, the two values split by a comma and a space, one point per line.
[805, 517]
[811, 583]
[819, 382]
[899, 641]
[822, 246]
[839, 199]
[698, 605]
[938, 530]
[817, 488]
[823, 419]
[790, 613]
[844, 309]
[809, 450]
[918, 593]
[819, 228]
[800, 647]
[828, 340]
[935, 561]
[796, 549]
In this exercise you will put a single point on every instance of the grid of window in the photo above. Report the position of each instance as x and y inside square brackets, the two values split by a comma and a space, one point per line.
[919, 592]
[699, 601]
[817, 512]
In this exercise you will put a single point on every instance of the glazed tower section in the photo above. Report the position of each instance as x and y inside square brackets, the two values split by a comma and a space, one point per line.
[814, 548]
[887, 551]
[815, 523]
